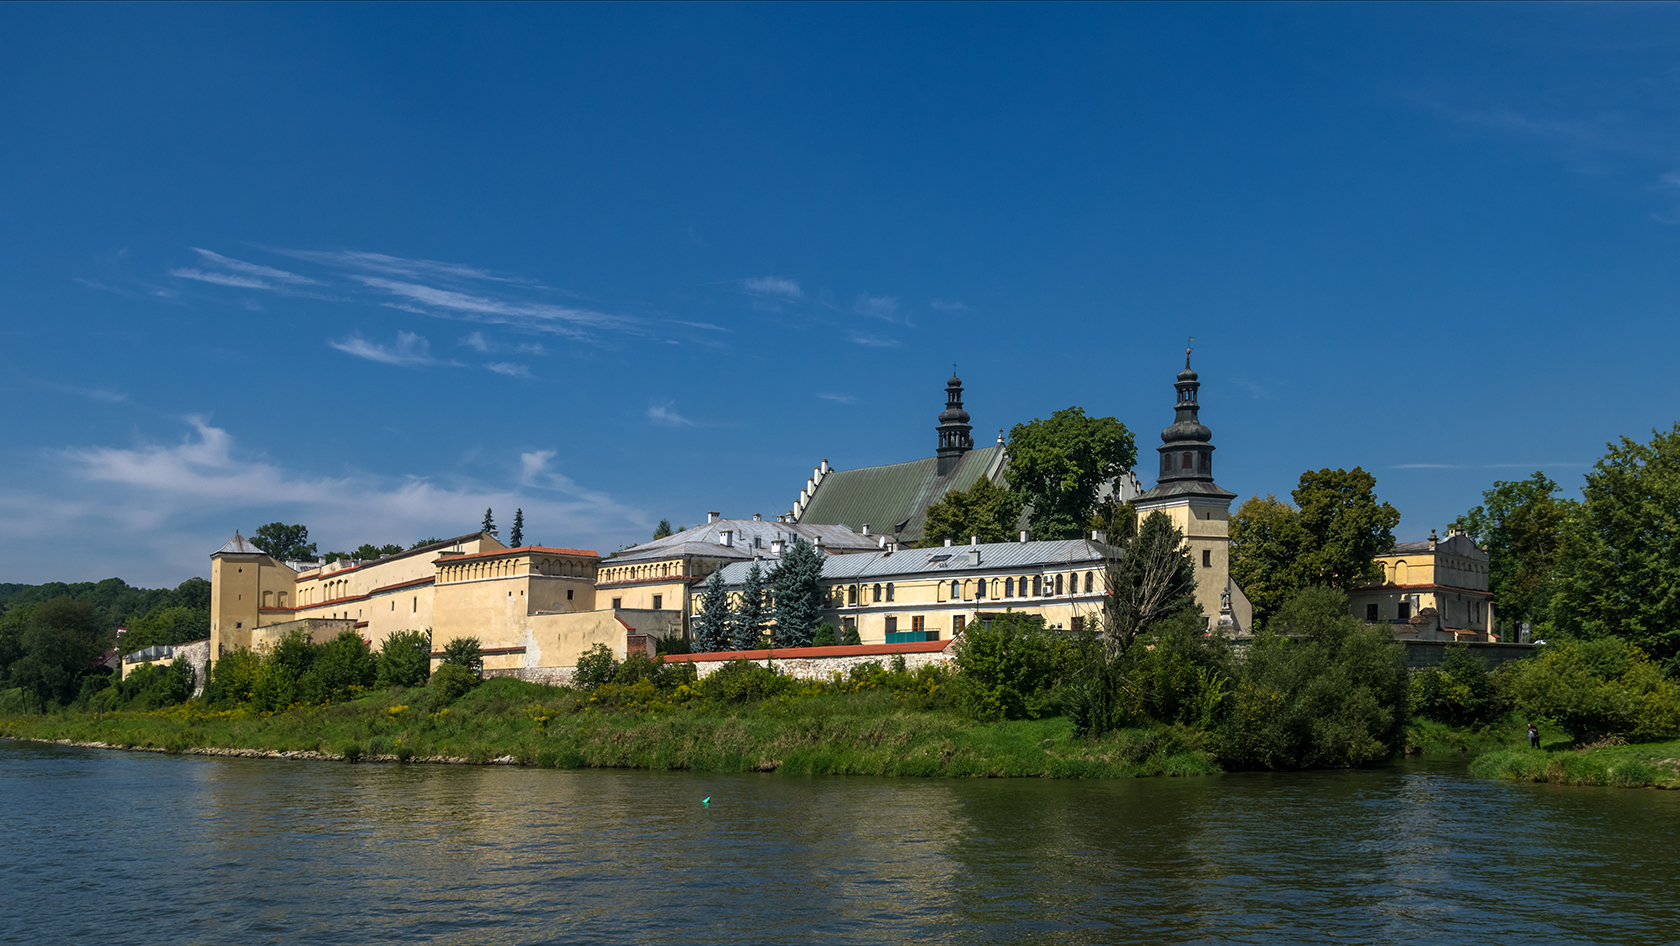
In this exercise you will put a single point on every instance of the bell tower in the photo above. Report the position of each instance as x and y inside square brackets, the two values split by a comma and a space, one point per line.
[1186, 493]
[955, 433]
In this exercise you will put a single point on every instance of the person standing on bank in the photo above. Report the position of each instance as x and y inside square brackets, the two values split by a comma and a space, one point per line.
[1533, 737]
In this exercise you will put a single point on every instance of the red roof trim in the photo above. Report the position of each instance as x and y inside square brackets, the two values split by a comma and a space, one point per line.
[802, 653]
[620, 620]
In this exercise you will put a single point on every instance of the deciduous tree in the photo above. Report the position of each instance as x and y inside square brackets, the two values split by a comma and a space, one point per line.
[1520, 523]
[1619, 567]
[1057, 467]
[984, 509]
[1150, 578]
[286, 543]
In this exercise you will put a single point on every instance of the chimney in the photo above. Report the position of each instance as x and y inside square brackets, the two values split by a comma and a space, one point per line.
[726, 537]
[757, 517]
[819, 542]
[947, 543]
[866, 528]
[712, 516]
[973, 540]
[1023, 535]
[777, 545]
[1432, 540]
[1098, 535]
[974, 555]
[825, 467]
[880, 540]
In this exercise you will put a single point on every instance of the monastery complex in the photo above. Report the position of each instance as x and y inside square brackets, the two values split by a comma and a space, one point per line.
[535, 609]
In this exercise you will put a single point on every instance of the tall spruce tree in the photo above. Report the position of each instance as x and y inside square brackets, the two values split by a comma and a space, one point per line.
[747, 624]
[517, 536]
[711, 625]
[798, 587]
[489, 524]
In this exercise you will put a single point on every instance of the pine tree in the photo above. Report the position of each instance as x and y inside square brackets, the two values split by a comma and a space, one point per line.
[800, 601]
[489, 525]
[517, 536]
[748, 621]
[711, 625]
[663, 530]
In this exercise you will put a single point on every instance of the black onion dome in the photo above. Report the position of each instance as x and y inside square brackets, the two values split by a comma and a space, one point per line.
[953, 414]
[1186, 430]
[1187, 374]
[955, 382]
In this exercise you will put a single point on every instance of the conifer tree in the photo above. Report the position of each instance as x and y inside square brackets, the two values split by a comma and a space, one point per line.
[798, 587]
[517, 536]
[711, 625]
[663, 530]
[747, 624]
[489, 525]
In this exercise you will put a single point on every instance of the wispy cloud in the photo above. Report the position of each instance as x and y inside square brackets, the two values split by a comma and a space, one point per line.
[399, 266]
[222, 279]
[884, 308]
[1425, 466]
[701, 325]
[510, 369]
[873, 341]
[476, 342]
[530, 316]
[255, 269]
[410, 350]
[664, 413]
[93, 394]
[838, 398]
[940, 305]
[779, 286]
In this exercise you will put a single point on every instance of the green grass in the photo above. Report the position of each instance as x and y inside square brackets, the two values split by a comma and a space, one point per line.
[865, 733]
[1433, 740]
[1644, 765]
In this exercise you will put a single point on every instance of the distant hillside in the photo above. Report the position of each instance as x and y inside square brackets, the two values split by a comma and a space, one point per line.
[118, 602]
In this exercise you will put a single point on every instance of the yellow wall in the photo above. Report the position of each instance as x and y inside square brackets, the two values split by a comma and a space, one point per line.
[1207, 529]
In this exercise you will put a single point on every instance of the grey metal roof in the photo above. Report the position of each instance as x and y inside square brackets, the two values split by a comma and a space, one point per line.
[884, 496]
[999, 557]
[750, 538]
[238, 545]
[1173, 489]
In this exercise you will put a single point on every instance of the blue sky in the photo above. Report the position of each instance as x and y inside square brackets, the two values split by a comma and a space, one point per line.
[375, 268]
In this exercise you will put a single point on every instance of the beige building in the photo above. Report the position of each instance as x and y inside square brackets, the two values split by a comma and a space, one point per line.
[529, 607]
[1434, 590]
[905, 595]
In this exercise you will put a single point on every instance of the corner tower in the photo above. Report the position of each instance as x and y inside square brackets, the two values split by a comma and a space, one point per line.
[1186, 493]
[955, 434]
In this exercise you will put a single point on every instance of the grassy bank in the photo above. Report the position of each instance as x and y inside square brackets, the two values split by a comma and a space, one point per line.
[867, 733]
[1436, 740]
[1643, 765]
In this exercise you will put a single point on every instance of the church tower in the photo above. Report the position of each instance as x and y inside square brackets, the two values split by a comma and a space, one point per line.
[1186, 493]
[955, 437]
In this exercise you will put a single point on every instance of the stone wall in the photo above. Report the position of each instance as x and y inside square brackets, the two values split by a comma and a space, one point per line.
[819, 663]
[1421, 655]
[549, 676]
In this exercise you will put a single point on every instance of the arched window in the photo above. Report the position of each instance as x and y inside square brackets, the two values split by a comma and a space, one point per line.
[994, 587]
[1166, 463]
[1400, 572]
[1189, 460]
[889, 591]
[1058, 583]
[1009, 587]
[877, 592]
[956, 590]
[980, 588]
[1087, 582]
[268, 599]
[1038, 586]
[851, 595]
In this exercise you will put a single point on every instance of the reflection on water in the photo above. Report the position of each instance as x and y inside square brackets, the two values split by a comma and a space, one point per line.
[131, 847]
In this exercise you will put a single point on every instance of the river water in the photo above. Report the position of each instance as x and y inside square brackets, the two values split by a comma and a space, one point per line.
[119, 847]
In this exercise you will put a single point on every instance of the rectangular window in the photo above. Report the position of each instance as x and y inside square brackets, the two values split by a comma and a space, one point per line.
[1370, 614]
[658, 601]
[1405, 612]
[1078, 623]
[618, 603]
[1207, 558]
[892, 624]
[568, 594]
[918, 625]
[956, 625]
[416, 607]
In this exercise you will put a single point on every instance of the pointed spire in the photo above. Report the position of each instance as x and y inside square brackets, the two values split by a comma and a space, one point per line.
[955, 437]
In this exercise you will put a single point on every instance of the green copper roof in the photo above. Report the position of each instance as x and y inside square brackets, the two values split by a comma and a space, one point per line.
[884, 496]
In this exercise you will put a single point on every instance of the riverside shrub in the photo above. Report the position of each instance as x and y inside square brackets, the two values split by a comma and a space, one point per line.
[449, 683]
[1333, 693]
[404, 660]
[1007, 670]
[1458, 690]
[1594, 689]
[595, 666]
[743, 681]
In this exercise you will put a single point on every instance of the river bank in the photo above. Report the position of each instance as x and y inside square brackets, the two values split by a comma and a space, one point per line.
[511, 722]
[1642, 765]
